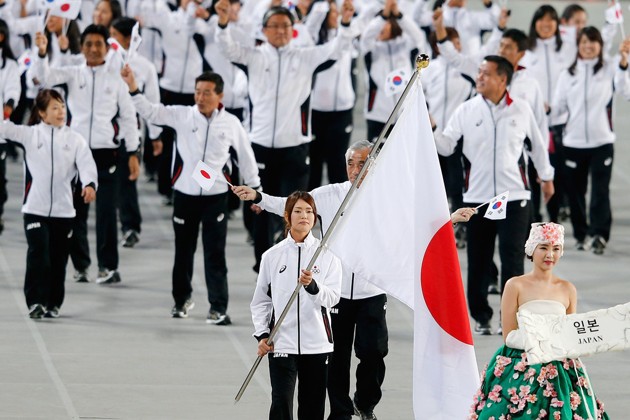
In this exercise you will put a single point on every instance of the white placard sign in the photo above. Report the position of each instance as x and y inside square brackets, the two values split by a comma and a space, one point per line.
[556, 337]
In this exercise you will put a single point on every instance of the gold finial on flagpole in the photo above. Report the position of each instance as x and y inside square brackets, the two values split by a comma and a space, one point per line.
[422, 62]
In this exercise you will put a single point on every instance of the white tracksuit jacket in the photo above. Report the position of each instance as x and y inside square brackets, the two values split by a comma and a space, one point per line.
[328, 198]
[382, 58]
[52, 157]
[306, 328]
[96, 97]
[586, 97]
[494, 139]
[280, 81]
[545, 64]
[201, 138]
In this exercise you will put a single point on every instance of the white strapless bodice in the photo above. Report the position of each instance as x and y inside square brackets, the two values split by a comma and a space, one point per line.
[544, 306]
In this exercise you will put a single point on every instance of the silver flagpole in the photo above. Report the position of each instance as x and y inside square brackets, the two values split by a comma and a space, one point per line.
[422, 61]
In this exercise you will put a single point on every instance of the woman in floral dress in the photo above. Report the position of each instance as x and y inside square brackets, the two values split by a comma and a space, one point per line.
[513, 389]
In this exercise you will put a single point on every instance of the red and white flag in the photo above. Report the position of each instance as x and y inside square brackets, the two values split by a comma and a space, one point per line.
[205, 175]
[67, 9]
[614, 13]
[408, 249]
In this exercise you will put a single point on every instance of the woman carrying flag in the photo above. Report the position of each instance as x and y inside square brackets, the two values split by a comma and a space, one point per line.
[302, 346]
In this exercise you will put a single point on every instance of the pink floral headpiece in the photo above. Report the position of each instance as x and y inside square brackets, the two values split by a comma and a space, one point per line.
[544, 233]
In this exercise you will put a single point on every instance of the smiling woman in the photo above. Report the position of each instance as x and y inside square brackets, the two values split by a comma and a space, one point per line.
[510, 384]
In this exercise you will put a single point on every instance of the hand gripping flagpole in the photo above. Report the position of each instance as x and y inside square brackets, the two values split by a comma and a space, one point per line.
[422, 61]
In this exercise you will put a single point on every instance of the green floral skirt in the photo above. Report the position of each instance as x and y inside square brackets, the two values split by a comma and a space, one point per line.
[512, 389]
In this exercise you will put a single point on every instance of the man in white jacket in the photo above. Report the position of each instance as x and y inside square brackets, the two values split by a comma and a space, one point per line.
[204, 132]
[495, 130]
[280, 81]
[359, 318]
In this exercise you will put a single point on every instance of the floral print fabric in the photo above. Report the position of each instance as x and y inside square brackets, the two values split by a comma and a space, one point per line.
[511, 389]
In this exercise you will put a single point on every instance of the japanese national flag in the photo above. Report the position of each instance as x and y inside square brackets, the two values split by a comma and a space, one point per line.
[136, 40]
[67, 9]
[408, 250]
[205, 175]
[396, 81]
[24, 62]
[115, 45]
[614, 14]
[497, 208]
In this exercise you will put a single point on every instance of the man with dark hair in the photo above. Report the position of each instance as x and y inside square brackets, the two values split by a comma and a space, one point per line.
[280, 83]
[204, 132]
[495, 129]
[103, 114]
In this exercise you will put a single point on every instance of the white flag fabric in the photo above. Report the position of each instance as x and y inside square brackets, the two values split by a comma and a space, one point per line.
[614, 13]
[407, 247]
[24, 62]
[205, 175]
[497, 208]
[396, 81]
[136, 40]
[67, 9]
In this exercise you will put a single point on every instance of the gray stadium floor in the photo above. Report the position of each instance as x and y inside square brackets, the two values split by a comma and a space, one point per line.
[115, 352]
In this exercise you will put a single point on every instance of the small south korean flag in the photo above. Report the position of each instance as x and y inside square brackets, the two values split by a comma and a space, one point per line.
[136, 40]
[396, 81]
[24, 62]
[205, 175]
[497, 208]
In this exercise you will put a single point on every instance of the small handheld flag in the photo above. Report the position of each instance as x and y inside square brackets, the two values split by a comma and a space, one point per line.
[115, 45]
[497, 207]
[614, 13]
[136, 40]
[24, 62]
[206, 176]
[67, 9]
[396, 81]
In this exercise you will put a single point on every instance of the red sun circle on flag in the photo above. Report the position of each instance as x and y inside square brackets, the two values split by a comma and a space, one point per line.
[496, 205]
[65, 7]
[295, 33]
[115, 47]
[205, 174]
[397, 80]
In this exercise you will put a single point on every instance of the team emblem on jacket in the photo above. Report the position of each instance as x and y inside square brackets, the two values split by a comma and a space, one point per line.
[316, 270]
[284, 267]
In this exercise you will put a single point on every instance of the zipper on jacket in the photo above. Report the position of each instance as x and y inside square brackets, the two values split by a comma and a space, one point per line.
[494, 151]
[299, 346]
[445, 96]
[205, 145]
[338, 71]
[586, 102]
[52, 167]
[275, 110]
[548, 75]
[92, 105]
[181, 89]
[352, 287]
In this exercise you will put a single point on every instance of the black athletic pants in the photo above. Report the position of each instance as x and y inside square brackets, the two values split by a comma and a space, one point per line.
[211, 212]
[129, 208]
[361, 323]
[48, 240]
[331, 137]
[310, 371]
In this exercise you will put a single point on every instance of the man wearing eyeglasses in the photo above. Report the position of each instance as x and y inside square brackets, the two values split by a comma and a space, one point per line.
[280, 81]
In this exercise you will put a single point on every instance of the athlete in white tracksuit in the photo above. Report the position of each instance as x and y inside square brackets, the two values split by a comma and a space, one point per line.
[305, 339]
[53, 154]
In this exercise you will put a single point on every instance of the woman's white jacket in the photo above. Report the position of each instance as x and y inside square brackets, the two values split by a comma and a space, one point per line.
[306, 328]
